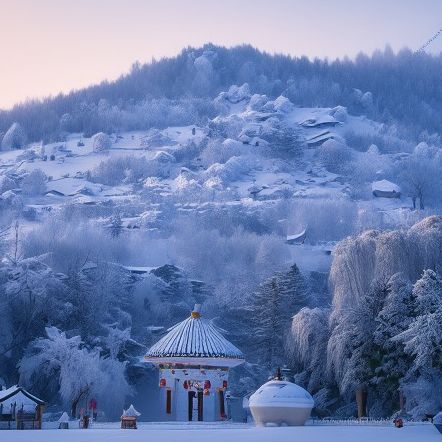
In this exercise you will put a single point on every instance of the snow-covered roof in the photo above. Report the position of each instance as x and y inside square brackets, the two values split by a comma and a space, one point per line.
[385, 186]
[131, 412]
[281, 394]
[195, 341]
[297, 238]
[14, 390]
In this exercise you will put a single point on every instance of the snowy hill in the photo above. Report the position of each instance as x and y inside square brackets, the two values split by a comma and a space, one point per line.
[233, 163]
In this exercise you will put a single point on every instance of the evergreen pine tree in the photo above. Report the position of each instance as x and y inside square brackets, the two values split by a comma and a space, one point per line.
[394, 318]
[270, 313]
[423, 338]
[116, 225]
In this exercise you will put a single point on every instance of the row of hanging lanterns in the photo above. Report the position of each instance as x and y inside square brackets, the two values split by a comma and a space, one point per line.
[186, 384]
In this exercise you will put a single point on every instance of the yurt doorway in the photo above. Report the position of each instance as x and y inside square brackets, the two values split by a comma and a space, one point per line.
[195, 407]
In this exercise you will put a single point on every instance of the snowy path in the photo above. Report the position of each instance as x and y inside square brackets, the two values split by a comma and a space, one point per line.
[418, 433]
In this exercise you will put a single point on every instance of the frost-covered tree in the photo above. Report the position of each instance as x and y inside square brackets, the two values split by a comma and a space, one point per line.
[116, 225]
[270, 311]
[14, 138]
[34, 183]
[423, 338]
[334, 155]
[420, 177]
[285, 140]
[351, 351]
[423, 343]
[76, 371]
[101, 142]
[32, 296]
[67, 123]
[307, 346]
[394, 318]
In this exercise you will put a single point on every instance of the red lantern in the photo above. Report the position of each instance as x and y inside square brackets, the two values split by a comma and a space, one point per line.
[162, 382]
[207, 385]
[224, 384]
[185, 385]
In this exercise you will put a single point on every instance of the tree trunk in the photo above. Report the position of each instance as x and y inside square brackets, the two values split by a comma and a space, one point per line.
[421, 199]
[414, 202]
[401, 401]
[361, 399]
[74, 408]
[75, 402]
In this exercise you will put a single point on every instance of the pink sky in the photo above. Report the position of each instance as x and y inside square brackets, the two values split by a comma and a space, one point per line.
[48, 46]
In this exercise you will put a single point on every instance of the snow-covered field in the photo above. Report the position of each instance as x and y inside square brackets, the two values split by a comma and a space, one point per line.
[233, 433]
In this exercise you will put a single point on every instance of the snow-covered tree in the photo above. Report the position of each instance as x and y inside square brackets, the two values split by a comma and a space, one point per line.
[31, 297]
[307, 346]
[351, 349]
[116, 225]
[423, 338]
[285, 140]
[335, 156]
[14, 138]
[423, 342]
[67, 123]
[420, 177]
[394, 318]
[270, 312]
[76, 371]
[34, 183]
[101, 142]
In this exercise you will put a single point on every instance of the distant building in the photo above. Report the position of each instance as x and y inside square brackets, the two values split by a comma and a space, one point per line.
[194, 360]
[297, 238]
[20, 409]
[385, 189]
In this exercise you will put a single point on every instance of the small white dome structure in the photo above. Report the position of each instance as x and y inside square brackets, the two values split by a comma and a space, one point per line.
[281, 403]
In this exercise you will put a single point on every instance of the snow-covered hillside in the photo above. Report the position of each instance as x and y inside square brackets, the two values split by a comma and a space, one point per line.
[236, 163]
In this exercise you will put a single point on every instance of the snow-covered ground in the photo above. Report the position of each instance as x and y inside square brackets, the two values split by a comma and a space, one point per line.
[232, 433]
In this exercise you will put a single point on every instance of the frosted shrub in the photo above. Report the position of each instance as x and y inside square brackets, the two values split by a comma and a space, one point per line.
[285, 140]
[6, 183]
[34, 183]
[114, 171]
[220, 152]
[339, 113]
[101, 142]
[257, 102]
[334, 156]
[232, 170]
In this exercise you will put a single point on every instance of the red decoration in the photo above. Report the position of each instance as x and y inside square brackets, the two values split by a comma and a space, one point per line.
[207, 385]
[224, 384]
[162, 382]
[93, 404]
[185, 385]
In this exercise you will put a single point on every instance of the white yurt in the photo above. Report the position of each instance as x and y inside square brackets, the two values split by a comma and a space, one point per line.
[280, 402]
[193, 360]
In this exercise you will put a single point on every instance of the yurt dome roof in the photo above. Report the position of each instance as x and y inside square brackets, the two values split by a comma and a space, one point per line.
[195, 341]
[281, 394]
